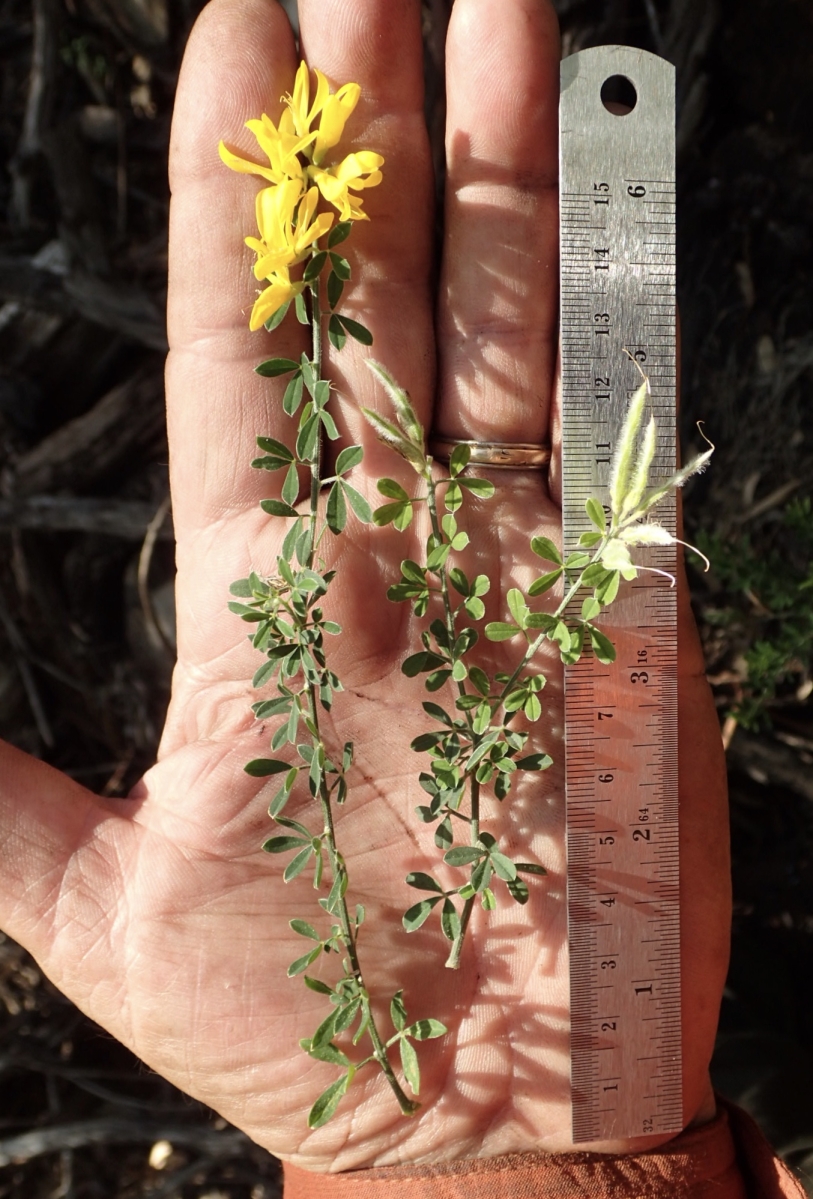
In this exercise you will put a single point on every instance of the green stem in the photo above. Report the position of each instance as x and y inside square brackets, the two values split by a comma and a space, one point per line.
[534, 645]
[453, 960]
[316, 464]
[431, 500]
[337, 868]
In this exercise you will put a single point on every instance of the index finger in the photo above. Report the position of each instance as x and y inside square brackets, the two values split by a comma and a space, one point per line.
[240, 59]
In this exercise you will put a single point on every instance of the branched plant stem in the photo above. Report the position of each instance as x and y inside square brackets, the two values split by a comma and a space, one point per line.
[453, 960]
[337, 866]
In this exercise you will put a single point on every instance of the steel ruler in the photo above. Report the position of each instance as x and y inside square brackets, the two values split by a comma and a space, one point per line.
[617, 212]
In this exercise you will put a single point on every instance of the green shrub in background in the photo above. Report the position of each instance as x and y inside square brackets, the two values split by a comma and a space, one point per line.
[761, 607]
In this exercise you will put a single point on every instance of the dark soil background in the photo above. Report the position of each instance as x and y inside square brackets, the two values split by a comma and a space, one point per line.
[86, 616]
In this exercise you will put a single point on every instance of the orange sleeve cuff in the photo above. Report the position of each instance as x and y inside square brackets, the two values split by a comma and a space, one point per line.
[725, 1159]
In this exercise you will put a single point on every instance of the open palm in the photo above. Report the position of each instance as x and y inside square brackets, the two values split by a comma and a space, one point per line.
[159, 915]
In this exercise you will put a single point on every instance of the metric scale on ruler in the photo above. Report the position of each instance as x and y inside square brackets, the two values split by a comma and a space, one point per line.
[617, 212]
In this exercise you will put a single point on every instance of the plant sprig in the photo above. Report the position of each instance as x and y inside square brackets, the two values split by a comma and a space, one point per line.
[474, 746]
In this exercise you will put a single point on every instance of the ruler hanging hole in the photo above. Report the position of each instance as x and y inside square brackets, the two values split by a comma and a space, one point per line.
[618, 95]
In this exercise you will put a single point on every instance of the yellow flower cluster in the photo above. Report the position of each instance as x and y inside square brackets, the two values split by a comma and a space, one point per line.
[299, 174]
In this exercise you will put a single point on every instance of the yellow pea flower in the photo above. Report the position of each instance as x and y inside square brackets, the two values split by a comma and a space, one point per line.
[281, 243]
[299, 173]
[356, 171]
[280, 291]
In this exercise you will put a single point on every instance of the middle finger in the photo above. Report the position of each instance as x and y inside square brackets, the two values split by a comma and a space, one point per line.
[499, 288]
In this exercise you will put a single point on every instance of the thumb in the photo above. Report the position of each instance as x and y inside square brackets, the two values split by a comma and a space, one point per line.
[60, 874]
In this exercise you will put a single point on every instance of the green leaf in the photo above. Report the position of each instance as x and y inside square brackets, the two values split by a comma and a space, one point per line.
[325, 1106]
[427, 1030]
[499, 631]
[463, 855]
[535, 762]
[607, 589]
[315, 984]
[481, 874]
[277, 508]
[437, 557]
[336, 334]
[302, 310]
[290, 488]
[271, 707]
[459, 671]
[315, 267]
[545, 582]
[543, 547]
[438, 713]
[443, 833]
[488, 900]
[391, 489]
[504, 868]
[276, 366]
[603, 648]
[358, 503]
[327, 1052]
[419, 913]
[459, 581]
[276, 448]
[461, 456]
[339, 233]
[596, 513]
[242, 587]
[349, 457]
[356, 330]
[475, 607]
[577, 561]
[482, 488]
[588, 540]
[302, 963]
[409, 1064]
[517, 606]
[398, 1011]
[336, 509]
[425, 741]
[341, 266]
[533, 708]
[278, 317]
[436, 679]
[413, 572]
[283, 795]
[335, 287]
[480, 679]
[390, 512]
[329, 425]
[282, 844]
[261, 767]
[590, 608]
[297, 864]
[530, 868]
[293, 395]
[308, 439]
[419, 663]
[450, 920]
[453, 497]
[560, 633]
[423, 882]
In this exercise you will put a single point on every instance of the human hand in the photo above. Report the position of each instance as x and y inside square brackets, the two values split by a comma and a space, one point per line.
[159, 915]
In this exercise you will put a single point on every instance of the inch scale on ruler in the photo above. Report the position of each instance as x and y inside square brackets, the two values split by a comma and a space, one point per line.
[617, 213]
